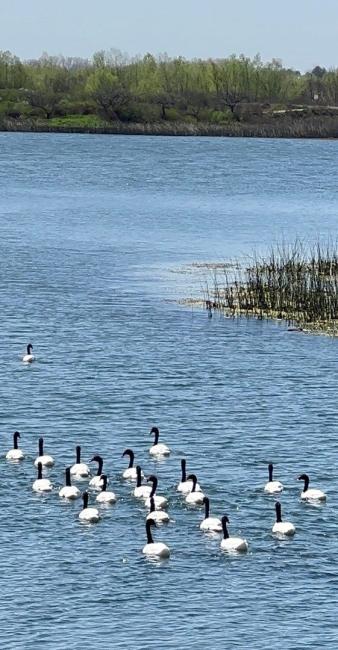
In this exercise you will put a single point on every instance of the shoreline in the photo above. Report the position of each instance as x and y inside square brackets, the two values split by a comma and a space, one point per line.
[323, 129]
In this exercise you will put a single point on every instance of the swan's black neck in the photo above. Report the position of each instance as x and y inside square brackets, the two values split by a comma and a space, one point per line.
[270, 471]
[99, 466]
[148, 529]
[78, 454]
[193, 479]
[131, 459]
[183, 468]
[152, 504]
[278, 512]
[306, 483]
[85, 500]
[156, 436]
[15, 439]
[68, 480]
[39, 471]
[40, 446]
[104, 482]
[224, 526]
[154, 482]
[207, 507]
[29, 348]
[138, 476]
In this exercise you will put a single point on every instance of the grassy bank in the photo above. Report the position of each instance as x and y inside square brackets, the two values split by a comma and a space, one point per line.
[291, 283]
[284, 127]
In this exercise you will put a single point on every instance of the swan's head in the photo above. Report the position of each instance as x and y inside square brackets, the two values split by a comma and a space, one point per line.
[17, 434]
[128, 452]
[278, 509]
[96, 459]
[192, 477]
[29, 348]
[225, 519]
[155, 431]
[303, 477]
[151, 522]
[152, 478]
[206, 500]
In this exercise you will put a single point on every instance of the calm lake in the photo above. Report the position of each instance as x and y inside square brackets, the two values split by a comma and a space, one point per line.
[93, 230]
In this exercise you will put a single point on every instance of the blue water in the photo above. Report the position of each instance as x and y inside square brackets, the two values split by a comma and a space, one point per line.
[91, 228]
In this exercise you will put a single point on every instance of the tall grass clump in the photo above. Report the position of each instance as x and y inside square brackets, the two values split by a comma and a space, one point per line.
[292, 282]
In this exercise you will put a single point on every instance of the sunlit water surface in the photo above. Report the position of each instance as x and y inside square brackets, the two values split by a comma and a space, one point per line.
[91, 230]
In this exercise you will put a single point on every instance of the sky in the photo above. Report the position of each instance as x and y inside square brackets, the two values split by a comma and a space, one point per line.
[303, 33]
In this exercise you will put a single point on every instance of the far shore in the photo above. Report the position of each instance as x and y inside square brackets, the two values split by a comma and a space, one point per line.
[315, 127]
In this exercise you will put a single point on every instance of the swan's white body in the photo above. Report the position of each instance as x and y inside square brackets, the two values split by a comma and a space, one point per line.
[45, 460]
[89, 515]
[185, 487]
[28, 358]
[15, 454]
[131, 474]
[159, 450]
[80, 470]
[159, 516]
[142, 492]
[273, 487]
[232, 544]
[69, 492]
[156, 549]
[194, 498]
[96, 482]
[283, 528]
[312, 494]
[211, 524]
[106, 497]
[160, 502]
[42, 485]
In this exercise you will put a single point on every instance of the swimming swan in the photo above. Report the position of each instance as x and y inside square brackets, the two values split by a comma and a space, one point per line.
[194, 498]
[42, 484]
[88, 515]
[310, 494]
[80, 470]
[130, 473]
[141, 491]
[160, 502]
[29, 357]
[159, 516]
[15, 453]
[96, 482]
[282, 527]
[272, 486]
[69, 491]
[158, 449]
[105, 496]
[232, 543]
[155, 549]
[210, 523]
[45, 460]
[185, 486]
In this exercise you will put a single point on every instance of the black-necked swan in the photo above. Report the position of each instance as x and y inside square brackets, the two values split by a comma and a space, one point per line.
[159, 516]
[158, 448]
[232, 543]
[42, 484]
[210, 523]
[130, 473]
[105, 496]
[88, 515]
[160, 502]
[156, 549]
[15, 454]
[141, 491]
[185, 486]
[79, 470]
[282, 527]
[194, 498]
[272, 486]
[96, 481]
[29, 357]
[310, 494]
[69, 491]
[44, 459]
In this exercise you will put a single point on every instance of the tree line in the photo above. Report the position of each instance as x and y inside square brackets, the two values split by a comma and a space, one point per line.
[150, 89]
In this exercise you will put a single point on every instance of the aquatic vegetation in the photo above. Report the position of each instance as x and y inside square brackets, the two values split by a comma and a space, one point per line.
[292, 282]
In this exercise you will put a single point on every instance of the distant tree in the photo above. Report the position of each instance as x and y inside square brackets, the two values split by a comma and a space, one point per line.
[318, 71]
[104, 87]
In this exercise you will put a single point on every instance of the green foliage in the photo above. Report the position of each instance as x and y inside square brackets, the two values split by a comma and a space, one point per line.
[151, 89]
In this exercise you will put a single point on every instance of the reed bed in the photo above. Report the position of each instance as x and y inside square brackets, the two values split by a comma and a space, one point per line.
[291, 282]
